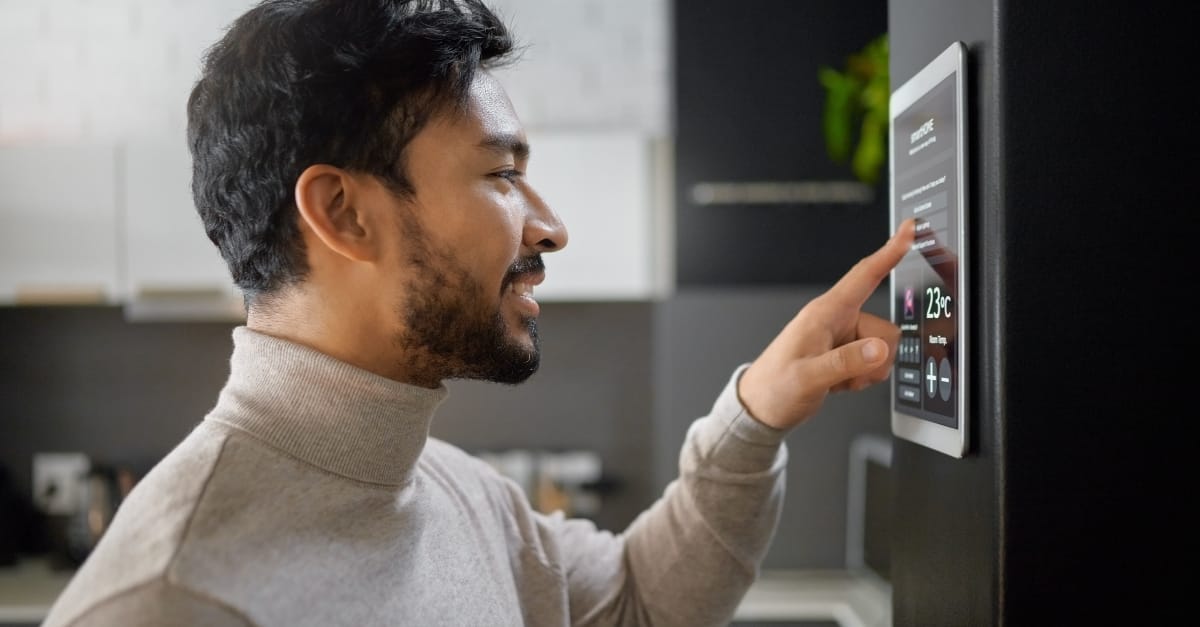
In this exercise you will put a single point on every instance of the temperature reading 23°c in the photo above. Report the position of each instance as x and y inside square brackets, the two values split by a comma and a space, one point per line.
[939, 305]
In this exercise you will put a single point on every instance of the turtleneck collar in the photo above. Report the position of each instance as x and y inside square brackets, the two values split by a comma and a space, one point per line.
[324, 411]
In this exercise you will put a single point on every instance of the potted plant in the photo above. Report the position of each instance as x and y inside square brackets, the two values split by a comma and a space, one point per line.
[855, 118]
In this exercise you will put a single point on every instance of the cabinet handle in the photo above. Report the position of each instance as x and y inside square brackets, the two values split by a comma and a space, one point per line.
[83, 294]
[202, 304]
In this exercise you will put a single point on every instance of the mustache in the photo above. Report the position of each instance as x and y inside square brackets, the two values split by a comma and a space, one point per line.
[523, 266]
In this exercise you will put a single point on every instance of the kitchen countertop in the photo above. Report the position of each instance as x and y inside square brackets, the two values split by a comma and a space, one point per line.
[28, 589]
[852, 600]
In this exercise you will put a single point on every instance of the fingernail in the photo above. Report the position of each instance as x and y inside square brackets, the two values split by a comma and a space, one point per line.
[871, 351]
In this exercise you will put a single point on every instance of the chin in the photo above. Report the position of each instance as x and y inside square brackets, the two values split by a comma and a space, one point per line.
[525, 337]
[523, 354]
[523, 340]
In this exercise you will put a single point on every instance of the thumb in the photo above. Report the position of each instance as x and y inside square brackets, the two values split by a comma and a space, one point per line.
[848, 361]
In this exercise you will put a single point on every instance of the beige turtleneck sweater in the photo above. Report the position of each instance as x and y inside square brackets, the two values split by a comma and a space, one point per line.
[312, 494]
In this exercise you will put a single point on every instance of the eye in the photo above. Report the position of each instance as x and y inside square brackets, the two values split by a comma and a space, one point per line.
[510, 175]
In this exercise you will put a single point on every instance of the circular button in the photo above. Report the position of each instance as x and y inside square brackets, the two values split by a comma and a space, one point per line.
[944, 379]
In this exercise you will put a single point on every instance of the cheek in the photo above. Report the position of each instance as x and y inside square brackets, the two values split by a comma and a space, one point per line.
[500, 220]
[489, 238]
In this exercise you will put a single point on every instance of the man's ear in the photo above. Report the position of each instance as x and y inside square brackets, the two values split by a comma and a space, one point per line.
[326, 197]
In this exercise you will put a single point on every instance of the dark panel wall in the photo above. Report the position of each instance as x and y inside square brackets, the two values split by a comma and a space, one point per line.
[83, 379]
[747, 108]
[1066, 512]
[944, 549]
[1099, 203]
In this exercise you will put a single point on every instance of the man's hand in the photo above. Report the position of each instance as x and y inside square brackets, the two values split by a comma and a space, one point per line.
[831, 345]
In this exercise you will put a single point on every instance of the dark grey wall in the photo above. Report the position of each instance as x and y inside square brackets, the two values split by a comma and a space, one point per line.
[1099, 213]
[84, 379]
[1069, 509]
[943, 568]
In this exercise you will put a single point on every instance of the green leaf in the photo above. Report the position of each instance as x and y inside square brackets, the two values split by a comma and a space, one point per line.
[871, 152]
[856, 100]
[837, 121]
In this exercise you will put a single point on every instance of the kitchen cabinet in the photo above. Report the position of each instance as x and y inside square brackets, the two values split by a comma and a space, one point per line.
[607, 188]
[116, 223]
[58, 223]
[601, 183]
[172, 269]
[759, 201]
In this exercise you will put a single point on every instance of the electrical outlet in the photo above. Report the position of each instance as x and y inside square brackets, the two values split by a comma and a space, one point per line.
[59, 481]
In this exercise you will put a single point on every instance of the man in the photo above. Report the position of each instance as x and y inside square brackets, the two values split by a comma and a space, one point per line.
[363, 175]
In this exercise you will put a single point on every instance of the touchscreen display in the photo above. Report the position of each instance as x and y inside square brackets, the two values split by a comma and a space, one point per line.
[927, 286]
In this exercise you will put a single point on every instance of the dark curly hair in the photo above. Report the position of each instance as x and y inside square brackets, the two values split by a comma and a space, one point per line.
[293, 83]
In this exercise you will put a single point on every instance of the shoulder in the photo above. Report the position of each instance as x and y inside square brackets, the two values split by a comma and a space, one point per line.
[495, 496]
[445, 458]
[149, 525]
[470, 476]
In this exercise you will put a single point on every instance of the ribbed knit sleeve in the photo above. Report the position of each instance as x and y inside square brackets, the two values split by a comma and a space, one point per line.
[690, 558]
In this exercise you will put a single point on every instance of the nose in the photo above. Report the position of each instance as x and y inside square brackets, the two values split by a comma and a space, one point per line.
[544, 230]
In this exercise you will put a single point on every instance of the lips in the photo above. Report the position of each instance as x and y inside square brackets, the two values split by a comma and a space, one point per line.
[523, 284]
[524, 275]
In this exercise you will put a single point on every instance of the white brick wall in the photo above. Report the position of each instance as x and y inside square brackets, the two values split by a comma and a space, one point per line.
[117, 69]
[591, 63]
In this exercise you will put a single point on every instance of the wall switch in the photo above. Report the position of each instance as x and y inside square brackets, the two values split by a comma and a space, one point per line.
[59, 481]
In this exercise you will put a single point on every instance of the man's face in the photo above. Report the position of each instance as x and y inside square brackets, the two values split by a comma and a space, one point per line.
[468, 245]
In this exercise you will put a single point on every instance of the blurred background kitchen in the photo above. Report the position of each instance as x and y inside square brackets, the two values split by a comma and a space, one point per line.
[682, 144]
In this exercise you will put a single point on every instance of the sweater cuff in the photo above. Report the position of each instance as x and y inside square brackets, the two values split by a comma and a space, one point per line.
[733, 439]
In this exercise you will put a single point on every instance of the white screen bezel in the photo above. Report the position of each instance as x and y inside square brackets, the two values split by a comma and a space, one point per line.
[950, 62]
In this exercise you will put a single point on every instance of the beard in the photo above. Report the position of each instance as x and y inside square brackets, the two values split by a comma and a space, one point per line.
[452, 333]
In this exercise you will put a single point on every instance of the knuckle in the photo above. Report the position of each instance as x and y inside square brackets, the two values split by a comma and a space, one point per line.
[838, 361]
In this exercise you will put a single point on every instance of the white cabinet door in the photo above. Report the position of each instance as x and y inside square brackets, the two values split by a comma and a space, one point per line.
[173, 271]
[119, 222]
[58, 223]
[603, 186]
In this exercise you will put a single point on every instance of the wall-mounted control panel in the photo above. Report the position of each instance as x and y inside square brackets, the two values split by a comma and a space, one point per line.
[929, 295]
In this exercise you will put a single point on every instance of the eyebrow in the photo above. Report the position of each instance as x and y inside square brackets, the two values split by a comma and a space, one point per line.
[507, 143]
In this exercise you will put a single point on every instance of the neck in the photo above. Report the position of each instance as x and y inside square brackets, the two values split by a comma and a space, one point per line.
[341, 333]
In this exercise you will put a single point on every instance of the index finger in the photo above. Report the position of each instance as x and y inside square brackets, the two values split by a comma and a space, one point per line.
[943, 261]
[857, 285]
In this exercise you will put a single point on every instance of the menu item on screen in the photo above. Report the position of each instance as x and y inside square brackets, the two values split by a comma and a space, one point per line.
[928, 183]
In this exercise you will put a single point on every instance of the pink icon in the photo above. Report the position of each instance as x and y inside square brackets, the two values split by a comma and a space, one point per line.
[910, 309]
